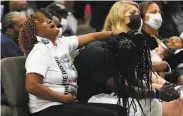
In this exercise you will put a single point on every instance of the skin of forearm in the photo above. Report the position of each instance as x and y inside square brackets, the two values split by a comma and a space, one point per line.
[159, 66]
[100, 37]
[156, 86]
[45, 93]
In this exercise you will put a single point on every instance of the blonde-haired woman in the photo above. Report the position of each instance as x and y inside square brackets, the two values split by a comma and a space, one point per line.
[123, 16]
[95, 68]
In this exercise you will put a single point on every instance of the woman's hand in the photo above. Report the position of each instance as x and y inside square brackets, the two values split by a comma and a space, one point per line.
[168, 93]
[68, 98]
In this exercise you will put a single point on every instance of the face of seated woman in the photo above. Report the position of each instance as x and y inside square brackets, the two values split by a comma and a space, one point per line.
[46, 28]
[131, 18]
[132, 11]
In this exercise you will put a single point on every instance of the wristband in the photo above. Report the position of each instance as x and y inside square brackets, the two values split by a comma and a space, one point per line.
[156, 93]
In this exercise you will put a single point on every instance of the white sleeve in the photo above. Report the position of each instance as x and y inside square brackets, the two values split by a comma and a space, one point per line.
[71, 42]
[37, 60]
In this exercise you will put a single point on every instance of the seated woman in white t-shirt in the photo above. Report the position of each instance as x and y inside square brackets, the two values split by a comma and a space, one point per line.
[51, 78]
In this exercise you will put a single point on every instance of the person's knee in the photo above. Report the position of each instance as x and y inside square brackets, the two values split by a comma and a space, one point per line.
[151, 108]
[156, 104]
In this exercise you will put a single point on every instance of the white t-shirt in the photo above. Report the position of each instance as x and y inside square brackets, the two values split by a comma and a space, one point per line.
[157, 58]
[55, 65]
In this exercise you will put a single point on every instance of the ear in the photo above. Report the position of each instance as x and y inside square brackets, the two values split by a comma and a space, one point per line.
[9, 31]
[127, 20]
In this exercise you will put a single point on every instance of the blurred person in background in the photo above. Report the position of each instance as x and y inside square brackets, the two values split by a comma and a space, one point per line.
[100, 10]
[61, 13]
[1, 14]
[172, 16]
[50, 15]
[11, 24]
[21, 6]
[82, 12]
[72, 23]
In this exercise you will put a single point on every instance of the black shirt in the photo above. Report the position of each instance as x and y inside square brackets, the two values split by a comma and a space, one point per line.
[94, 65]
[175, 59]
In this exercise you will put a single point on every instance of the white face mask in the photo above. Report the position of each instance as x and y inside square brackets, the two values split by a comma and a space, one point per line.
[155, 20]
[64, 24]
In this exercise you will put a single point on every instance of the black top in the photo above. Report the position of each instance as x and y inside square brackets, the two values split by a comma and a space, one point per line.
[175, 59]
[94, 65]
[151, 40]
[8, 47]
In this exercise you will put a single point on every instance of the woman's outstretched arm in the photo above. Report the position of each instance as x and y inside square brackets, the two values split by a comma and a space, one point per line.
[84, 39]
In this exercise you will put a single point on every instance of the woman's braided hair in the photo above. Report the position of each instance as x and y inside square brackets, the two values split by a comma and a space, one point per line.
[27, 36]
[132, 66]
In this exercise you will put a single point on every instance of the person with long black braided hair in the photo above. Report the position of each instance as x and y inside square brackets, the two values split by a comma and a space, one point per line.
[127, 61]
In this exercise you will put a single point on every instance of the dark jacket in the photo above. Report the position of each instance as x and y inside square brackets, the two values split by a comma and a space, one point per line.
[8, 47]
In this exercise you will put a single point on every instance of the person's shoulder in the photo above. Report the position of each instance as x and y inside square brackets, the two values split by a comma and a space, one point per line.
[39, 49]
[5, 39]
[97, 43]
[96, 46]
[67, 38]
